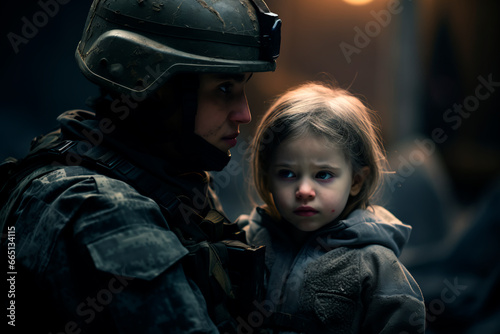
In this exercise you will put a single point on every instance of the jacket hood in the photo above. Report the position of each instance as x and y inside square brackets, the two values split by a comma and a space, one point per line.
[375, 225]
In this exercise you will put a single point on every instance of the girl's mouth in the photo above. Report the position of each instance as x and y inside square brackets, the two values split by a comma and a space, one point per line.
[305, 211]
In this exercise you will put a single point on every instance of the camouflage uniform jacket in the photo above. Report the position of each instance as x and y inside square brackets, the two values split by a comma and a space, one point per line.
[95, 256]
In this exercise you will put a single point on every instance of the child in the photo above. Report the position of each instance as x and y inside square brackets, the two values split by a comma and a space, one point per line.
[331, 257]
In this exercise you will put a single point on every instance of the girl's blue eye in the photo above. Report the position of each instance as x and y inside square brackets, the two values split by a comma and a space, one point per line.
[286, 174]
[324, 175]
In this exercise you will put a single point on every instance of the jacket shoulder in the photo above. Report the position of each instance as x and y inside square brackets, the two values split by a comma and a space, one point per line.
[387, 274]
[105, 216]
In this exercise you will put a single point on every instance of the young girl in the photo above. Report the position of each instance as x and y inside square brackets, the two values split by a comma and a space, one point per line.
[332, 257]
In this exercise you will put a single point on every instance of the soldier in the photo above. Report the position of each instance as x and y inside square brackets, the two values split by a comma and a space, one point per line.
[115, 226]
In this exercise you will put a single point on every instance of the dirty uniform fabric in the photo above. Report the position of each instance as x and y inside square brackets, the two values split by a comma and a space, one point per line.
[345, 278]
[96, 256]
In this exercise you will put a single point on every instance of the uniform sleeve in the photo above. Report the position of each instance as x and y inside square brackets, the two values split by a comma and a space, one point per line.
[126, 236]
[106, 258]
[392, 298]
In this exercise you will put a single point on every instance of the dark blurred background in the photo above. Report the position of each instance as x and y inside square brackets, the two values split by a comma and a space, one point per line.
[430, 68]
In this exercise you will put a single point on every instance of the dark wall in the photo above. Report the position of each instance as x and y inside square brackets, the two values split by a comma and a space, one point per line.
[39, 75]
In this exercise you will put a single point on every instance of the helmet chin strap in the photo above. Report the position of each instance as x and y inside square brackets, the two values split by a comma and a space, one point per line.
[203, 156]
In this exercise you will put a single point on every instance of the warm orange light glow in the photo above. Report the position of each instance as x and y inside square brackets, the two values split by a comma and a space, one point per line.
[358, 2]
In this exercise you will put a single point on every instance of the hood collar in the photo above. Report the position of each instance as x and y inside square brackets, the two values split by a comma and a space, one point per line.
[375, 225]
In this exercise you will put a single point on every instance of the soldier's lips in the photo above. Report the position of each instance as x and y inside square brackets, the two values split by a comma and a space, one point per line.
[231, 140]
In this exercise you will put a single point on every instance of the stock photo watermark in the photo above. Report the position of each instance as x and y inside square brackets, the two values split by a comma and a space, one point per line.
[121, 107]
[454, 117]
[31, 26]
[437, 306]
[372, 29]
[11, 276]
[92, 305]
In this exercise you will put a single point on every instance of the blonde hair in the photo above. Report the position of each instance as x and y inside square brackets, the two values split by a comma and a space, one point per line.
[330, 112]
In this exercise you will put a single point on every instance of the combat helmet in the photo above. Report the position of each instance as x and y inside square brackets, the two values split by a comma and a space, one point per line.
[133, 46]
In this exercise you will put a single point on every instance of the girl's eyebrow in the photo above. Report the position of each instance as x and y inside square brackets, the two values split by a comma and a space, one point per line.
[336, 170]
[283, 164]
[318, 165]
[325, 165]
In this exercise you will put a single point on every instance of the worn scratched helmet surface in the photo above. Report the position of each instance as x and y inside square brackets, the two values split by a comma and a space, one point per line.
[133, 46]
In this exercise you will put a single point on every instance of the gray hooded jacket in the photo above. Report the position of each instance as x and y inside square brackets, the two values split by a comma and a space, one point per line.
[345, 278]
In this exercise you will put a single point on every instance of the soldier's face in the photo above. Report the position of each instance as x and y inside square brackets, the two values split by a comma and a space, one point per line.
[222, 107]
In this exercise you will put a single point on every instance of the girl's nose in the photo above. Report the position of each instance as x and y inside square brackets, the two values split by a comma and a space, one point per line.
[305, 191]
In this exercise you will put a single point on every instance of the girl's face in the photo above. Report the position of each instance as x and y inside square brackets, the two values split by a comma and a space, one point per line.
[310, 181]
